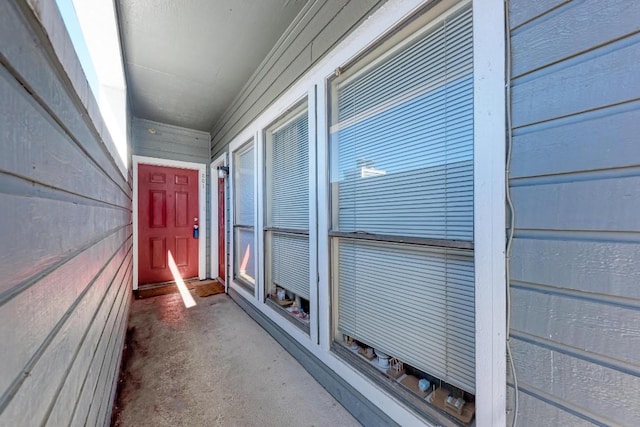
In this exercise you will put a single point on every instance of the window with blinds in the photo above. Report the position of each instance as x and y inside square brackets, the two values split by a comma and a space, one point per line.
[243, 221]
[287, 213]
[401, 152]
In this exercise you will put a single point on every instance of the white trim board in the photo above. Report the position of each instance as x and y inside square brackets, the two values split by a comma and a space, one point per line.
[202, 211]
[258, 200]
[489, 142]
[220, 161]
[312, 114]
[489, 216]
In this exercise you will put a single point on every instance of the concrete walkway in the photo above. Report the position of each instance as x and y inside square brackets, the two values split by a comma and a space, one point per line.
[212, 365]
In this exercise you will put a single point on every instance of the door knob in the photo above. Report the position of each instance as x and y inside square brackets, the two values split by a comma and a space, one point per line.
[195, 219]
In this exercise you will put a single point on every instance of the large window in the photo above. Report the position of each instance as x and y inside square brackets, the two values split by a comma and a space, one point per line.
[401, 155]
[243, 220]
[287, 215]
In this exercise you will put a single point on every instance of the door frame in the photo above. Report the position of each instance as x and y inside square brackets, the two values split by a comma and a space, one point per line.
[202, 210]
[220, 161]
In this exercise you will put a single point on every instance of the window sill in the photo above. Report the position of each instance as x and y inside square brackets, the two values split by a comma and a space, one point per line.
[301, 324]
[419, 406]
[245, 284]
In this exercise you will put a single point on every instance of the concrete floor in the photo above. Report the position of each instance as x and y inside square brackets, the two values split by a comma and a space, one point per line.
[213, 365]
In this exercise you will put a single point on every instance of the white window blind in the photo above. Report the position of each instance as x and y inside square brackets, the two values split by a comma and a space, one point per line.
[288, 176]
[290, 263]
[413, 302]
[404, 140]
[402, 165]
[287, 179]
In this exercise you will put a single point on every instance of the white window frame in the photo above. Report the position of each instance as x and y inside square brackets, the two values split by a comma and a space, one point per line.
[489, 143]
[256, 130]
[202, 208]
[235, 147]
[215, 187]
[399, 43]
[298, 109]
[489, 210]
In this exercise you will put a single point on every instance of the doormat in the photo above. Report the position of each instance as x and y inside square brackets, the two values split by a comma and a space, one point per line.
[211, 288]
[147, 291]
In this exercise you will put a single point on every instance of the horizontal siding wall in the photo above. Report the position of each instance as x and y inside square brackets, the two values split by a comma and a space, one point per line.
[316, 29]
[65, 226]
[154, 139]
[575, 183]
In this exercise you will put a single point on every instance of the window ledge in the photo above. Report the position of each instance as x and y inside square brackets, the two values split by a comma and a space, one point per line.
[303, 326]
[419, 406]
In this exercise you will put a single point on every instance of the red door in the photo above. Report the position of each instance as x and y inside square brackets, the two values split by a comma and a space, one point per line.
[167, 213]
[221, 245]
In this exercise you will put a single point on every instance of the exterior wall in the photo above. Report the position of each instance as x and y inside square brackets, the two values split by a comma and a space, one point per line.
[65, 231]
[169, 142]
[174, 143]
[316, 29]
[328, 358]
[575, 183]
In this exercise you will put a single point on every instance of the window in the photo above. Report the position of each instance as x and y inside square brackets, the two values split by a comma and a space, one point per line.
[93, 30]
[287, 215]
[243, 221]
[401, 155]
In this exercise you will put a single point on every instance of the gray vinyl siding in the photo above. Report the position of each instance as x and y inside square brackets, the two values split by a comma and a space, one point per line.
[169, 142]
[575, 183]
[316, 29]
[66, 237]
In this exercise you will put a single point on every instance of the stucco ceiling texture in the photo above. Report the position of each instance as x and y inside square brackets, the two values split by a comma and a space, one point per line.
[186, 60]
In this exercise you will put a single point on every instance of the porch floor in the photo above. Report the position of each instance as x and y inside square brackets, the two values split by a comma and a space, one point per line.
[211, 364]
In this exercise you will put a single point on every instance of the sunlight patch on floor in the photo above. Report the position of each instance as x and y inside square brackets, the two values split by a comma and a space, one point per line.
[187, 298]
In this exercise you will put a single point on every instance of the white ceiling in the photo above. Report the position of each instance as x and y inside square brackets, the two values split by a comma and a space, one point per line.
[186, 60]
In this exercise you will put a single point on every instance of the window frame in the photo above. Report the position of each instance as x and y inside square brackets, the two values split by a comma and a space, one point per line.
[245, 146]
[298, 110]
[489, 213]
[490, 180]
[404, 38]
[255, 130]
[301, 108]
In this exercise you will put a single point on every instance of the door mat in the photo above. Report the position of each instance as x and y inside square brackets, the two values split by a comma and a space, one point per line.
[211, 288]
[147, 291]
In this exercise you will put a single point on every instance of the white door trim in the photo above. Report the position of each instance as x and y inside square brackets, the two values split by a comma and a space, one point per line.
[202, 211]
[220, 161]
